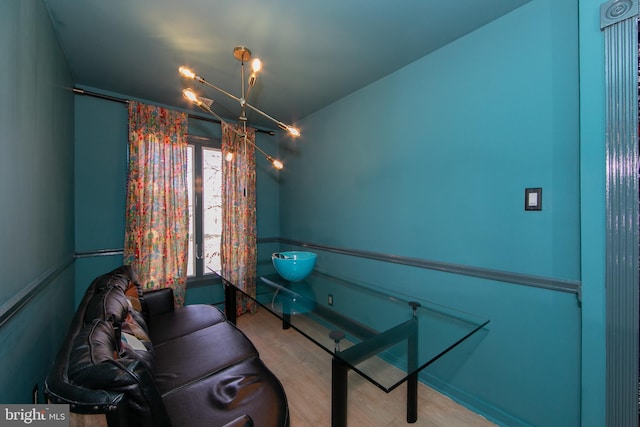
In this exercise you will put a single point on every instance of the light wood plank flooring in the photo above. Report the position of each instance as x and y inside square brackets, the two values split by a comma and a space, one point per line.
[305, 372]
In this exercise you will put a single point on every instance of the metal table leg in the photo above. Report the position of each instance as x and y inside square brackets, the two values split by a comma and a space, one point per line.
[230, 303]
[412, 365]
[412, 399]
[339, 376]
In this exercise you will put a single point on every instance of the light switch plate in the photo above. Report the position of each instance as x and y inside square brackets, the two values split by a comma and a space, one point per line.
[533, 199]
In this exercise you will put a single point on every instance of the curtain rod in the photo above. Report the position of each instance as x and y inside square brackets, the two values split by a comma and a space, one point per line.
[78, 91]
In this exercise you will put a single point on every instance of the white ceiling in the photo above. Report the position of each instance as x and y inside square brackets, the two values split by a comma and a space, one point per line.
[313, 52]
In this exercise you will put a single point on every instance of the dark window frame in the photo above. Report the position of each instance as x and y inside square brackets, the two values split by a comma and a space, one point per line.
[198, 144]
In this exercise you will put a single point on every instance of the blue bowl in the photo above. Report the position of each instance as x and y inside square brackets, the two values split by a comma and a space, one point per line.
[294, 266]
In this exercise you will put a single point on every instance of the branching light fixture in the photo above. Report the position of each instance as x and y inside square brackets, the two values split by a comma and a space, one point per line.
[243, 55]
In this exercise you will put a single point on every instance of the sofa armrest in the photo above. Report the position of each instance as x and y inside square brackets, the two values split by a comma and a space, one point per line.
[242, 421]
[159, 301]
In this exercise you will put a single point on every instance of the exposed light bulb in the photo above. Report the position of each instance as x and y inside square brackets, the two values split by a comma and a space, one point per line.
[186, 72]
[191, 96]
[292, 131]
[229, 156]
[277, 164]
[256, 65]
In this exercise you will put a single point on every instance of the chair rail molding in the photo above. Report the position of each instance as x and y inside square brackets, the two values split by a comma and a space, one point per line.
[555, 284]
[18, 301]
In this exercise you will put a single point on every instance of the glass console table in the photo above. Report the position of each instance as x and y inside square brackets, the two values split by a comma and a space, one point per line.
[387, 339]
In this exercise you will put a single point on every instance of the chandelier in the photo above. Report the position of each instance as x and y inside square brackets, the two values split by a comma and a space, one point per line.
[243, 55]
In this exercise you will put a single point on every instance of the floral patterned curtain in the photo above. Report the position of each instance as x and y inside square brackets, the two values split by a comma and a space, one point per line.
[239, 249]
[157, 219]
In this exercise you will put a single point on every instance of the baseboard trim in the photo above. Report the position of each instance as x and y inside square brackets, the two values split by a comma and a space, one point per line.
[471, 402]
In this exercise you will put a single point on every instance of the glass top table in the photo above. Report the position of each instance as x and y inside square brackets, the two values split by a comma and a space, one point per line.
[385, 338]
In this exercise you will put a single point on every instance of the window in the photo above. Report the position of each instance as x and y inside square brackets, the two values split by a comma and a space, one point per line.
[205, 206]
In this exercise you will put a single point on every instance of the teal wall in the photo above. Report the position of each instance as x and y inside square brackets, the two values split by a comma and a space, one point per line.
[36, 187]
[432, 162]
[439, 174]
[100, 186]
[592, 220]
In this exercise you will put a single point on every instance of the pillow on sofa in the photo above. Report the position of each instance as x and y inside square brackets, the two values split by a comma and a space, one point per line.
[133, 348]
[136, 327]
[132, 289]
[134, 299]
[136, 336]
[133, 342]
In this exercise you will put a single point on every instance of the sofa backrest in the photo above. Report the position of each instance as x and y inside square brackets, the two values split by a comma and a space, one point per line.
[96, 362]
[107, 356]
[110, 304]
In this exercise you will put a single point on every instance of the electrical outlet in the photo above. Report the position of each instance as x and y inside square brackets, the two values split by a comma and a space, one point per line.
[330, 299]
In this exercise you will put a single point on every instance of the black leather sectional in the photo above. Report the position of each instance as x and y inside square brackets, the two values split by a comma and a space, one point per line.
[134, 358]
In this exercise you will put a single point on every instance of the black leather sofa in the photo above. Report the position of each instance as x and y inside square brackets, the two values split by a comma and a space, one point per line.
[133, 359]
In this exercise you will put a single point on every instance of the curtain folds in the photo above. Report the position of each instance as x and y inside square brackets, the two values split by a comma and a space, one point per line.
[239, 249]
[157, 218]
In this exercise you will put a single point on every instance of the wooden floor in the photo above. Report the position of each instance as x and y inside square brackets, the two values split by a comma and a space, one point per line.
[305, 372]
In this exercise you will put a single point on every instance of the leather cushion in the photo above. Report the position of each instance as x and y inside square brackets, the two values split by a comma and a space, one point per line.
[129, 272]
[198, 355]
[183, 321]
[109, 280]
[95, 343]
[95, 363]
[247, 388]
[125, 278]
[110, 304]
[243, 421]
